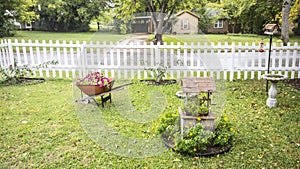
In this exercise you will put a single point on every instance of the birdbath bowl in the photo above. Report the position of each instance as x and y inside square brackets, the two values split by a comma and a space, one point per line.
[273, 78]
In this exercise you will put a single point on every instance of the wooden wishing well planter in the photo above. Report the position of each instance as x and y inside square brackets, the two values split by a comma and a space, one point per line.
[192, 86]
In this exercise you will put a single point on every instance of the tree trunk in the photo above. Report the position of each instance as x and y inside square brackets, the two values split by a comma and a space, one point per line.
[286, 7]
[158, 38]
[298, 29]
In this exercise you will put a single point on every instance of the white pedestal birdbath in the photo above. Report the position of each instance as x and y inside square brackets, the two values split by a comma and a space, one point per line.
[273, 78]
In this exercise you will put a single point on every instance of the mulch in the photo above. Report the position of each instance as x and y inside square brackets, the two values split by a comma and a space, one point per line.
[24, 81]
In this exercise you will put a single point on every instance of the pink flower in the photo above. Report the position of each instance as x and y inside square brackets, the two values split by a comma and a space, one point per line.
[94, 78]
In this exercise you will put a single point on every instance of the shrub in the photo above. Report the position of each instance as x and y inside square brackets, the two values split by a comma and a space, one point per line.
[196, 140]
[14, 73]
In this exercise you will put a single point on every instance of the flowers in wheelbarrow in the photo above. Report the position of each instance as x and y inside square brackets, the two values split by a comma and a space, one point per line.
[94, 78]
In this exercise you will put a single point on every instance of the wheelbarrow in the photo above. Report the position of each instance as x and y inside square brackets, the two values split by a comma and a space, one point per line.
[93, 91]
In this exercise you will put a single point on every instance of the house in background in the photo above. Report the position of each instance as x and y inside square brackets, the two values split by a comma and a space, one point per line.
[187, 23]
[23, 25]
[221, 25]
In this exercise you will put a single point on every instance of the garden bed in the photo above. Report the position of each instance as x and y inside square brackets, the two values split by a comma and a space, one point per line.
[26, 81]
[162, 82]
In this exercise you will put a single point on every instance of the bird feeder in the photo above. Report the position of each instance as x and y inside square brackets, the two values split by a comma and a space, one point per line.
[271, 29]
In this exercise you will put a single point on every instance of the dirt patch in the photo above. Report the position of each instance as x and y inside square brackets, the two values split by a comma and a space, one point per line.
[294, 83]
[135, 39]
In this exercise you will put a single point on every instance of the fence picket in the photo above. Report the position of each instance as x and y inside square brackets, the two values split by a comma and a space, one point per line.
[294, 62]
[232, 61]
[145, 60]
[38, 54]
[253, 51]
[239, 60]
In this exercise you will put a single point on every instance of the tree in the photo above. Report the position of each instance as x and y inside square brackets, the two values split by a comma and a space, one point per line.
[160, 10]
[19, 10]
[234, 9]
[27, 11]
[285, 26]
[295, 17]
[68, 15]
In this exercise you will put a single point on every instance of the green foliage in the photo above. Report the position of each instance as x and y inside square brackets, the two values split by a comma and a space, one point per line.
[252, 15]
[167, 121]
[7, 29]
[14, 73]
[196, 107]
[68, 15]
[224, 132]
[193, 140]
[295, 17]
[122, 27]
[19, 10]
[7, 16]
[27, 11]
[158, 73]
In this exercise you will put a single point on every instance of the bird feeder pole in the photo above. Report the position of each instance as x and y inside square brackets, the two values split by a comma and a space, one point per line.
[269, 59]
[270, 29]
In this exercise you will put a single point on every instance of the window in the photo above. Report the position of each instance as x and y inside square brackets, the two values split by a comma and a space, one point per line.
[219, 24]
[185, 24]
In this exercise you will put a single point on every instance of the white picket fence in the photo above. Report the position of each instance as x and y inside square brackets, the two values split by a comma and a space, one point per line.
[224, 61]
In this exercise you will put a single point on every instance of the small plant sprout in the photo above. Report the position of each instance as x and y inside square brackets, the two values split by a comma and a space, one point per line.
[159, 72]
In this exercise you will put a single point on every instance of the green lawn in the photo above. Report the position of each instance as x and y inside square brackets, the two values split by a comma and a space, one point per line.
[41, 128]
[215, 38]
[86, 36]
[94, 36]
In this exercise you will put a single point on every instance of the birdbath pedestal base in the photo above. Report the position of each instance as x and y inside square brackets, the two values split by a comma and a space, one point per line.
[272, 101]
[273, 78]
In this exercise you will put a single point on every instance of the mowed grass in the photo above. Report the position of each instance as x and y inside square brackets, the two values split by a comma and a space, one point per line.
[40, 129]
[60, 36]
[202, 38]
[230, 38]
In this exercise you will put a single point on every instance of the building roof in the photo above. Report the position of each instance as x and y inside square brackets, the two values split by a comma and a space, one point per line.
[189, 12]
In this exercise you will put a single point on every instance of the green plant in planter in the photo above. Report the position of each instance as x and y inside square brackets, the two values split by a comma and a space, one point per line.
[193, 140]
[224, 132]
[195, 108]
[196, 140]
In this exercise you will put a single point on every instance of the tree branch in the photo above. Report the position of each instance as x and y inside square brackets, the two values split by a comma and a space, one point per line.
[159, 3]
